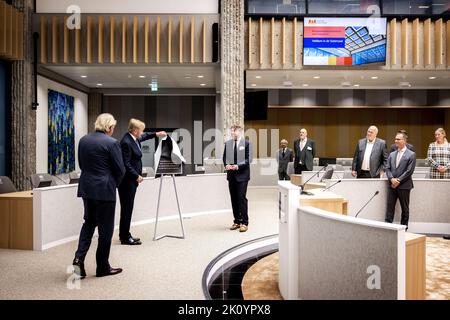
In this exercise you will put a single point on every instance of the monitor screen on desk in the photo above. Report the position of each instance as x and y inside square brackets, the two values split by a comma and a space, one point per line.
[326, 161]
[45, 183]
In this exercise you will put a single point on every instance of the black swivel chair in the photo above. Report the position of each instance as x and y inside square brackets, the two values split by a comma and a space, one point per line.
[41, 180]
[74, 177]
[6, 185]
[327, 175]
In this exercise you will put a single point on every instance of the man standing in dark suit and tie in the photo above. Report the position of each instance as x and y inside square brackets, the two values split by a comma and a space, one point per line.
[370, 156]
[305, 151]
[399, 171]
[132, 155]
[102, 169]
[409, 146]
[237, 157]
[285, 155]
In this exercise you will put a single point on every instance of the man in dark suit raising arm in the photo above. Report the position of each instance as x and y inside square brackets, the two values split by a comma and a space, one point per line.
[399, 171]
[237, 157]
[132, 155]
[102, 169]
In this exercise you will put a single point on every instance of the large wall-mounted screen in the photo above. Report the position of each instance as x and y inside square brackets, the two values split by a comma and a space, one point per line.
[344, 41]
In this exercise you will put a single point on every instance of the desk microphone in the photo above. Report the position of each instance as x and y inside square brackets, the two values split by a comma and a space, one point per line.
[376, 193]
[302, 186]
[331, 186]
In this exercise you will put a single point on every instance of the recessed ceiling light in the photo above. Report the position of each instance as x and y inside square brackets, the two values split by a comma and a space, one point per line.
[356, 85]
[317, 77]
[99, 84]
[142, 77]
[253, 84]
[306, 85]
[203, 84]
[84, 76]
[258, 77]
[200, 76]
[431, 78]
[374, 78]
[129, 76]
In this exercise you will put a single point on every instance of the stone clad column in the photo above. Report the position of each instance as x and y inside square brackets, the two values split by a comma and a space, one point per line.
[232, 61]
[23, 118]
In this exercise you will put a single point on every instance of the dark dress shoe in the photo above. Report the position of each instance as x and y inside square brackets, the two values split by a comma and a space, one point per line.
[131, 242]
[135, 239]
[78, 268]
[109, 272]
[447, 237]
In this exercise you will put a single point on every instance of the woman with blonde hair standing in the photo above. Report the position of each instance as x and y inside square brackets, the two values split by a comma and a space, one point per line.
[439, 156]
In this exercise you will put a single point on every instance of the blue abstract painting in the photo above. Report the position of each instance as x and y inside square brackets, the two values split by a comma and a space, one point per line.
[61, 133]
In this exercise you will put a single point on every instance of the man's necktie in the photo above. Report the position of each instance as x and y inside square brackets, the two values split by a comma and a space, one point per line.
[138, 144]
[235, 151]
[284, 152]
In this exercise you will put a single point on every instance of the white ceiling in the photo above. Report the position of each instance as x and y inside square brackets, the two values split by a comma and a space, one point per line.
[129, 76]
[334, 79]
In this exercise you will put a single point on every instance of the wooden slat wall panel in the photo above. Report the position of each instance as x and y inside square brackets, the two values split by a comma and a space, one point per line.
[2, 28]
[272, 41]
[89, 49]
[101, 39]
[169, 41]
[192, 39]
[124, 39]
[427, 42]
[261, 22]
[438, 54]
[447, 41]
[147, 40]
[43, 39]
[404, 40]
[204, 40]
[181, 36]
[78, 46]
[158, 39]
[415, 42]
[294, 45]
[283, 41]
[135, 40]
[54, 39]
[112, 58]
[393, 41]
[66, 40]
[14, 29]
[9, 29]
[250, 32]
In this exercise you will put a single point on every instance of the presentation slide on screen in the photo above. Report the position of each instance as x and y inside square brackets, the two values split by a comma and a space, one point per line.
[344, 41]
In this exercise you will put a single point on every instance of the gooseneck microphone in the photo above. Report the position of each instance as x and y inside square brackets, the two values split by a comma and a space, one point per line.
[302, 186]
[376, 193]
[331, 186]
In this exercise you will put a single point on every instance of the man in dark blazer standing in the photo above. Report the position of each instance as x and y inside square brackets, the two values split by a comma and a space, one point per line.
[237, 156]
[399, 171]
[132, 155]
[408, 145]
[285, 155]
[305, 151]
[370, 156]
[102, 169]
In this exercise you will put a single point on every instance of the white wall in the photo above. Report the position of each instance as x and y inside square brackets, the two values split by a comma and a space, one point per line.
[80, 119]
[131, 6]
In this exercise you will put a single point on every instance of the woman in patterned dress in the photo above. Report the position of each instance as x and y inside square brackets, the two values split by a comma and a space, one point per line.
[439, 156]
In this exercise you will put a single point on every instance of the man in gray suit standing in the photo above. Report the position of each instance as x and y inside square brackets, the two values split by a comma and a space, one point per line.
[399, 170]
[285, 155]
[370, 156]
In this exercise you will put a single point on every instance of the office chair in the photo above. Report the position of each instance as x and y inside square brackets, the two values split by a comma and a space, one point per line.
[74, 177]
[6, 185]
[41, 180]
[327, 175]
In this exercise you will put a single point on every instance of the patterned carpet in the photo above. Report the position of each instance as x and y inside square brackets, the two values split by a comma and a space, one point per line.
[261, 280]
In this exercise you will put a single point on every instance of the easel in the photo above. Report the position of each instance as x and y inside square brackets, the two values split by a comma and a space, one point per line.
[155, 238]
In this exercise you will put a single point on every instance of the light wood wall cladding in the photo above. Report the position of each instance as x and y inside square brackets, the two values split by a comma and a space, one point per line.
[412, 44]
[336, 131]
[128, 39]
[11, 32]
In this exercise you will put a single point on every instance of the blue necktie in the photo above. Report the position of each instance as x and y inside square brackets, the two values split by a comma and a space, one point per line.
[138, 144]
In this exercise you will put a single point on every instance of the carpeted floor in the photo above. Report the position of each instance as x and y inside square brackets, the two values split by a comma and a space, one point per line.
[165, 269]
[261, 280]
